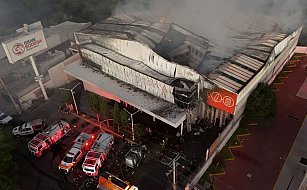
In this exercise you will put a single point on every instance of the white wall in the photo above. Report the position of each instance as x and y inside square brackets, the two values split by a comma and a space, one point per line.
[57, 74]
[26, 99]
[143, 53]
[262, 74]
[130, 76]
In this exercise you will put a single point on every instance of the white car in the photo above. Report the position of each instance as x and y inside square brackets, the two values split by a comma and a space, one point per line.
[70, 160]
[29, 127]
[5, 119]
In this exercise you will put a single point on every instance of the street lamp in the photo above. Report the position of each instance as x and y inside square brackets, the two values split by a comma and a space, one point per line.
[72, 94]
[131, 116]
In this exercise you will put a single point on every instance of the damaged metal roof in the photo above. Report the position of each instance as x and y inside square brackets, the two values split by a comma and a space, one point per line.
[231, 66]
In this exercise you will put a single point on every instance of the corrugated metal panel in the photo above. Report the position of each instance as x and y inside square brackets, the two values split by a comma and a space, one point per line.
[235, 67]
[229, 82]
[254, 61]
[240, 77]
[245, 63]
[225, 85]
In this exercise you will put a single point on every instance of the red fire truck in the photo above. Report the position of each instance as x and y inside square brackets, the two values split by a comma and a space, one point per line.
[48, 137]
[97, 154]
[80, 147]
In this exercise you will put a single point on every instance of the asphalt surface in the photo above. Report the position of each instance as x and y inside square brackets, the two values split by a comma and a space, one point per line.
[154, 171]
[258, 163]
[293, 172]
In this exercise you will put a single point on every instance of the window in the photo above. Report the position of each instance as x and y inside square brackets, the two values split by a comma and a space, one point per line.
[77, 155]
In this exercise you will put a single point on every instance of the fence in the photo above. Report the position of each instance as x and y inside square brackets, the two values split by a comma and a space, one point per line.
[301, 49]
[215, 148]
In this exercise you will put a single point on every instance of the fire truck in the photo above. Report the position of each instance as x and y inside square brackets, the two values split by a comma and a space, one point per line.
[80, 147]
[97, 154]
[108, 181]
[48, 137]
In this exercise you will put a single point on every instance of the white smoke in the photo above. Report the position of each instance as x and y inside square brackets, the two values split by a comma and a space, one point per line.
[211, 18]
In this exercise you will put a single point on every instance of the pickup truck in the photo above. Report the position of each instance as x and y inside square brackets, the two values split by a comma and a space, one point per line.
[29, 127]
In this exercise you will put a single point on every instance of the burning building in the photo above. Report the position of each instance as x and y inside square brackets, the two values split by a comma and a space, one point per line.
[175, 75]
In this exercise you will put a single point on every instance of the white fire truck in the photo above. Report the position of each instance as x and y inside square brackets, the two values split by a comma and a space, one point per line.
[80, 147]
[97, 154]
[108, 181]
[48, 137]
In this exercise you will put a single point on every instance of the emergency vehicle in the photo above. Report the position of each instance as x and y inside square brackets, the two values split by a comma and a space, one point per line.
[48, 137]
[80, 147]
[108, 181]
[97, 154]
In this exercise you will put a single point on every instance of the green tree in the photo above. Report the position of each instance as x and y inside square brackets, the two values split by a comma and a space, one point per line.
[67, 97]
[8, 167]
[94, 102]
[104, 108]
[123, 118]
[262, 103]
[116, 114]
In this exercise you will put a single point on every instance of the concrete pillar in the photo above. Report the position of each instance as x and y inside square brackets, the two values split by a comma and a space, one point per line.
[181, 129]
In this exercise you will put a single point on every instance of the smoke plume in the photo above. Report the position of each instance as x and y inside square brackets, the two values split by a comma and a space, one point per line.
[213, 18]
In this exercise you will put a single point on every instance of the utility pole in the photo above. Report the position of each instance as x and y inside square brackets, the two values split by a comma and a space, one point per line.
[11, 97]
[174, 175]
[174, 163]
[132, 126]
[38, 77]
[73, 97]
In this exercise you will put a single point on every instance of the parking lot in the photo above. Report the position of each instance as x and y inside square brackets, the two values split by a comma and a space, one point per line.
[153, 172]
[42, 172]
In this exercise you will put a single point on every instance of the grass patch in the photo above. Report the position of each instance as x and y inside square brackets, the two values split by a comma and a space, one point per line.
[285, 69]
[214, 168]
[277, 81]
[242, 131]
[233, 141]
[282, 75]
[225, 154]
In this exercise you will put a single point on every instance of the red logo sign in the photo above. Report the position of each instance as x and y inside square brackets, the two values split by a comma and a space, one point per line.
[223, 100]
[18, 49]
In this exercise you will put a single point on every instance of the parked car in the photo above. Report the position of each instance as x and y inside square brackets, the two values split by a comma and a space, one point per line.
[80, 147]
[5, 119]
[29, 128]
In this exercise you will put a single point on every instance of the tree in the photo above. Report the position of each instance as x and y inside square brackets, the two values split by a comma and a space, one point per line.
[104, 108]
[94, 102]
[123, 118]
[67, 97]
[262, 103]
[8, 167]
[116, 114]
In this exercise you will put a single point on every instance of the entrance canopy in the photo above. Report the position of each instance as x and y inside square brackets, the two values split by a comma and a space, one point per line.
[117, 90]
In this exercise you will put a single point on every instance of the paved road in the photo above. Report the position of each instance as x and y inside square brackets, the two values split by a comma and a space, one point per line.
[293, 172]
[261, 158]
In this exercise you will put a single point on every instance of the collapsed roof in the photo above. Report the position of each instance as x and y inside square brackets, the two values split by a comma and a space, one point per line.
[231, 66]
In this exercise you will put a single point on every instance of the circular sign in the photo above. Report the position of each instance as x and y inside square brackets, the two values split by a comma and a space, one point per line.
[18, 49]
[228, 101]
[216, 97]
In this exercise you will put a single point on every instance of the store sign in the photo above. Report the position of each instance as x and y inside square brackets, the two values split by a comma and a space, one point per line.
[223, 100]
[25, 46]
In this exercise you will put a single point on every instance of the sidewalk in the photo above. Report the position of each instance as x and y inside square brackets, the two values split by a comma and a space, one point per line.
[261, 158]
[293, 172]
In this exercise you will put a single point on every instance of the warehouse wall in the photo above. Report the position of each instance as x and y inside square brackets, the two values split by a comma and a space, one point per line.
[140, 52]
[130, 76]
